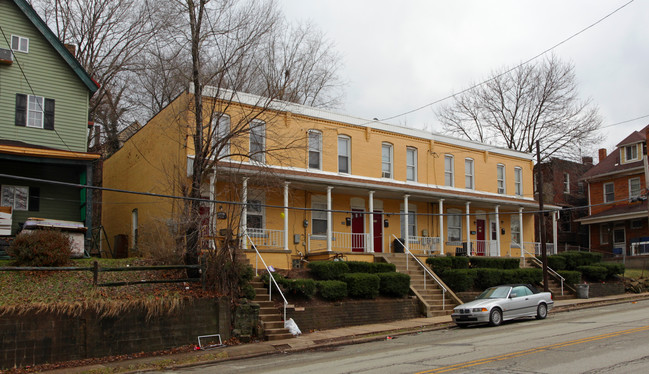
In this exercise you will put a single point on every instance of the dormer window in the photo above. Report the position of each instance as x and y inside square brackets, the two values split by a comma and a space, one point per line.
[630, 153]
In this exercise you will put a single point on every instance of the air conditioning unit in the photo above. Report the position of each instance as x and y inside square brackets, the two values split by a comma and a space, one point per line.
[6, 56]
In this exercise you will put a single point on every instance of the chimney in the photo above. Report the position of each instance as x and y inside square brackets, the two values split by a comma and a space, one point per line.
[602, 154]
[71, 48]
[587, 160]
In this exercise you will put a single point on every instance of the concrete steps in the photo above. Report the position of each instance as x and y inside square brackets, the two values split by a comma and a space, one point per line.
[271, 318]
[554, 283]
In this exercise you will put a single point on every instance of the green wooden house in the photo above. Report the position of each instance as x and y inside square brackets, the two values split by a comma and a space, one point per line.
[44, 96]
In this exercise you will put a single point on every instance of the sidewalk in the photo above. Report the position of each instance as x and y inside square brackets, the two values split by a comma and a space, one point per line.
[321, 339]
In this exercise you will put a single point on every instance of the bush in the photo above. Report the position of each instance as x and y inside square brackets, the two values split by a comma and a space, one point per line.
[495, 263]
[527, 275]
[575, 259]
[593, 273]
[332, 290]
[571, 277]
[459, 280]
[328, 270]
[613, 268]
[459, 262]
[370, 267]
[301, 287]
[279, 278]
[362, 285]
[556, 262]
[439, 265]
[394, 284]
[486, 277]
[248, 291]
[383, 267]
[41, 248]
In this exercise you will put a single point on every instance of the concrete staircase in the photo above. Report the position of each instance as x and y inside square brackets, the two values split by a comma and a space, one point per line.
[271, 318]
[431, 299]
[554, 283]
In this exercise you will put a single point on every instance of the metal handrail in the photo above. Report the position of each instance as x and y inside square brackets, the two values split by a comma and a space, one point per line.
[407, 252]
[539, 262]
[270, 274]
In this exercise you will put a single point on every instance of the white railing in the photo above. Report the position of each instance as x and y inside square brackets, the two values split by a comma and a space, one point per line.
[266, 238]
[484, 248]
[270, 274]
[408, 254]
[340, 241]
[539, 262]
[535, 247]
[639, 248]
[425, 245]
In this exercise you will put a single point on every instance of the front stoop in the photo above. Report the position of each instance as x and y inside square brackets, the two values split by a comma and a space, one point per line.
[431, 298]
[554, 284]
[270, 316]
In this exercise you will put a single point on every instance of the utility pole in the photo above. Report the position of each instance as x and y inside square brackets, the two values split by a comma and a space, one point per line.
[539, 187]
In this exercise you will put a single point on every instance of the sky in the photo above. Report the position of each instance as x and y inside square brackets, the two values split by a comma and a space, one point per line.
[401, 55]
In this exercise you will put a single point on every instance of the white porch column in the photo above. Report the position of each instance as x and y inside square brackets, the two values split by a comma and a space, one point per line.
[468, 229]
[441, 226]
[212, 221]
[371, 220]
[286, 215]
[520, 223]
[406, 237]
[329, 232]
[244, 212]
[555, 216]
[498, 229]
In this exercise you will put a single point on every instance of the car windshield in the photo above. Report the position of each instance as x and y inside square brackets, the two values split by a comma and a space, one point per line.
[495, 293]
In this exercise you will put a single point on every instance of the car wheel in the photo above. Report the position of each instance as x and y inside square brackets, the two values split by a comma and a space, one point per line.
[541, 311]
[495, 317]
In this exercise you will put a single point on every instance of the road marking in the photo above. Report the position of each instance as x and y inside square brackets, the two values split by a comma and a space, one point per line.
[508, 356]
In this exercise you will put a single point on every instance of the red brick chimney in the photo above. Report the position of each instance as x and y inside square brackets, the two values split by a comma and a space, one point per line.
[602, 154]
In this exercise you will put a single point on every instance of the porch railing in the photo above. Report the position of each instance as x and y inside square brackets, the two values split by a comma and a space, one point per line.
[639, 248]
[425, 245]
[484, 248]
[340, 241]
[535, 248]
[540, 263]
[266, 238]
[270, 274]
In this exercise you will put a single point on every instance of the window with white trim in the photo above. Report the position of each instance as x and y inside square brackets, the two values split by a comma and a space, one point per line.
[386, 160]
[500, 178]
[318, 216]
[255, 211]
[19, 43]
[518, 181]
[411, 164]
[34, 111]
[220, 135]
[344, 154]
[634, 187]
[449, 171]
[603, 233]
[609, 192]
[16, 197]
[630, 153]
[257, 141]
[516, 231]
[412, 221]
[566, 183]
[454, 228]
[315, 150]
[469, 172]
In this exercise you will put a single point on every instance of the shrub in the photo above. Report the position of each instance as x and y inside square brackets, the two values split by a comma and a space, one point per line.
[332, 290]
[459, 280]
[527, 275]
[362, 285]
[440, 264]
[575, 259]
[370, 267]
[279, 278]
[328, 270]
[556, 262]
[301, 287]
[248, 291]
[394, 284]
[486, 277]
[613, 268]
[571, 276]
[495, 262]
[383, 267]
[41, 248]
[459, 262]
[593, 273]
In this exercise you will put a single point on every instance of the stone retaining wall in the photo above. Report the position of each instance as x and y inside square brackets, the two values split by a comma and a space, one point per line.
[605, 289]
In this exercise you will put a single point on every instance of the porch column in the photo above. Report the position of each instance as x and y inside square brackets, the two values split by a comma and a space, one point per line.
[212, 221]
[520, 223]
[329, 232]
[468, 229]
[555, 216]
[441, 226]
[406, 237]
[286, 215]
[371, 220]
[498, 229]
[244, 212]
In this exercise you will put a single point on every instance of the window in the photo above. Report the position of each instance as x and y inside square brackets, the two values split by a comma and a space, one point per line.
[386, 160]
[603, 233]
[631, 153]
[34, 111]
[518, 181]
[255, 213]
[449, 168]
[516, 231]
[344, 153]
[220, 135]
[500, 178]
[454, 232]
[468, 174]
[17, 197]
[318, 217]
[412, 221]
[257, 140]
[580, 187]
[19, 43]
[634, 187]
[619, 235]
[411, 164]
[566, 183]
[315, 150]
[609, 192]
[636, 224]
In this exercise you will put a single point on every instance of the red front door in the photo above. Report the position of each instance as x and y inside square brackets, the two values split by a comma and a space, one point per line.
[377, 221]
[358, 229]
[480, 237]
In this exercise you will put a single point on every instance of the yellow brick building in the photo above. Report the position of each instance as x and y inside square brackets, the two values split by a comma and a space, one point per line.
[323, 183]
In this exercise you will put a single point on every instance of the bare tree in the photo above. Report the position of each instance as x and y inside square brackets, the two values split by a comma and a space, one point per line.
[517, 107]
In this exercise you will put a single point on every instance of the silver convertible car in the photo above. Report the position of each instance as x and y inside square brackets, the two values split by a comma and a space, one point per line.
[502, 303]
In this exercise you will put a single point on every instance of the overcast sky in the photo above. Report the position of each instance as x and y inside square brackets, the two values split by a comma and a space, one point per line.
[400, 55]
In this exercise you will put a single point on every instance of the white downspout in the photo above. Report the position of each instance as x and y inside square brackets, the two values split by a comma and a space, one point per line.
[441, 226]
[520, 224]
[371, 220]
[244, 213]
[286, 215]
[468, 229]
[329, 232]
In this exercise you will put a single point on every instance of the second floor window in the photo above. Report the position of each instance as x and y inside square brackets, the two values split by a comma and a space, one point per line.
[386, 160]
[220, 134]
[344, 152]
[34, 111]
[449, 168]
[609, 192]
[411, 164]
[257, 141]
[566, 182]
[315, 150]
[19, 43]
[631, 153]
[468, 174]
[634, 187]
[500, 178]
[518, 181]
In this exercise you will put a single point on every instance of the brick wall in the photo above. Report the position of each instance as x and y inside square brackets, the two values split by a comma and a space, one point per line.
[46, 337]
[605, 289]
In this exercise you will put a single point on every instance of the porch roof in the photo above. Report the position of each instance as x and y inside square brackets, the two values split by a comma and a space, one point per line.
[18, 148]
[617, 213]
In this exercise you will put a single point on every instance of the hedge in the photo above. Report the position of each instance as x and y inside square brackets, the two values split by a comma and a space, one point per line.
[394, 284]
[332, 290]
[613, 268]
[575, 259]
[328, 270]
[486, 277]
[459, 262]
[362, 285]
[440, 264]
[571, 277]
[301, 287]
[495, 262]
[556, 262]
[370, 267]
[459, 280]
[593, 273]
